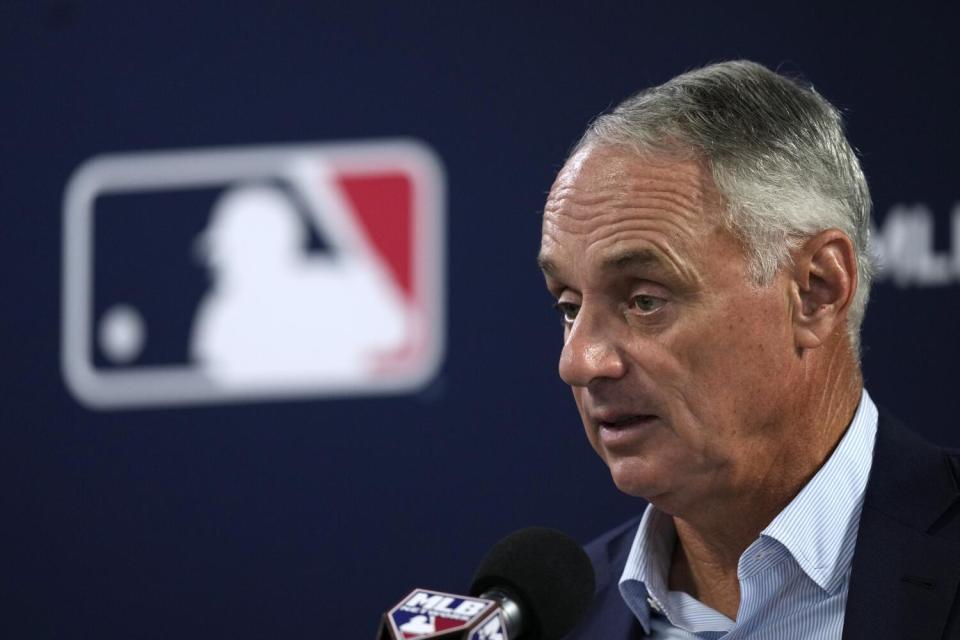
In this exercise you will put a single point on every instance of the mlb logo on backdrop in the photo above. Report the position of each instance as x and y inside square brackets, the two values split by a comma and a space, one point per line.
[266, 272]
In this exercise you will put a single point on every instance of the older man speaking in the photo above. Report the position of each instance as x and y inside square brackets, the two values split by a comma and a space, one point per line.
[707, 246]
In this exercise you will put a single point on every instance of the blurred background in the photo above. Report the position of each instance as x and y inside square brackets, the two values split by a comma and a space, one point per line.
[304, 506]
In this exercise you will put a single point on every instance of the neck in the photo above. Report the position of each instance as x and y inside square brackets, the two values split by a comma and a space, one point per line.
[711, 540]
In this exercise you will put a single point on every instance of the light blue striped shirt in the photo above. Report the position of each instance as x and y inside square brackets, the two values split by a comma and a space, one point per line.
[793, 578]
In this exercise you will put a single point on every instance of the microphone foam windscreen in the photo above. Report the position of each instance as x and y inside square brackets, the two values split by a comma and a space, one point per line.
[548, 573]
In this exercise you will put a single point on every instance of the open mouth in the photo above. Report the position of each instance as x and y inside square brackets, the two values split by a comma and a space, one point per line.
[627, 431]
[628, 421]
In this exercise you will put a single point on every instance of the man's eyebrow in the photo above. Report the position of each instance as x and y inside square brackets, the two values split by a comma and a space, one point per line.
[615, 262]
[654, 260]
[632, 258]
[546, 265]
[623, 260]
[648, 258]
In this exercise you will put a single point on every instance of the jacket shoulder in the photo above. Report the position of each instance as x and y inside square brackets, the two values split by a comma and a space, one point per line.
[948, 525]
[913, 481]
[608, 616]
[608, 552]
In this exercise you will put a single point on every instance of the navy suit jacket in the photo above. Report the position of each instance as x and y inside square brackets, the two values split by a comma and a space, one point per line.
[906, 565]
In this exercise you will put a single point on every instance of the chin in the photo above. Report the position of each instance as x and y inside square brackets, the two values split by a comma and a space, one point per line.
[636, 479]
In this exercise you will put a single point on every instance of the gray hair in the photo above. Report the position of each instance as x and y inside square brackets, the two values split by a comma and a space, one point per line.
[777, 152]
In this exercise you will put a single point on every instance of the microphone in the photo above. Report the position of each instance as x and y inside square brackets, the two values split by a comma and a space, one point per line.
[534, 584]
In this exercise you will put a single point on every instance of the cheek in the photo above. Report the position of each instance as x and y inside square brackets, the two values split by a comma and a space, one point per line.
[738, 366]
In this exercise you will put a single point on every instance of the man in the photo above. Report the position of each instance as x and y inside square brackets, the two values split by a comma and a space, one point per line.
[707, 246]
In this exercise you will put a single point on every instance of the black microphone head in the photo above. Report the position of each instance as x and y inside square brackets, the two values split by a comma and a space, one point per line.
[548, 573]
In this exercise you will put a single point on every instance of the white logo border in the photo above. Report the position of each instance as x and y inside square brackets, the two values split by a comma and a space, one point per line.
[174, 169]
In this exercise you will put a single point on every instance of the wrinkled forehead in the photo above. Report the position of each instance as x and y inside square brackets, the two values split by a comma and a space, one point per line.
[612, 201]
[604, 178]
[608, 170]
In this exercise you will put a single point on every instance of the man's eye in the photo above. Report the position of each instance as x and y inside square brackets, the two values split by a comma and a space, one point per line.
[646, 304]
[567, 310]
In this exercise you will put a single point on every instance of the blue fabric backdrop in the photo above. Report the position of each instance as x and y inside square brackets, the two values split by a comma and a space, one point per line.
[307, 518]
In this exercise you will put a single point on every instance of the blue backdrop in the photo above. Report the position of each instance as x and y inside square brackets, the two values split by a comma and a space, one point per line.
[307, 518]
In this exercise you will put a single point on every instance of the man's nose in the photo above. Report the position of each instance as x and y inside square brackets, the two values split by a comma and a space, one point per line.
[590, 352]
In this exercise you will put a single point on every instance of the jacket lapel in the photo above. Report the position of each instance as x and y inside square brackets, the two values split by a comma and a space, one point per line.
[904, 576]
[608, 617]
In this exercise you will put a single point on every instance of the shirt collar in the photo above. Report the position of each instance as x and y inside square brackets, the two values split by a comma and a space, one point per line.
[807, 527]
[648, 564]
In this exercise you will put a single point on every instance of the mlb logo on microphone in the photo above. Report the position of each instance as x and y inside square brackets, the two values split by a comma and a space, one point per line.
[493, 628]
[226, 275]
[428, 614]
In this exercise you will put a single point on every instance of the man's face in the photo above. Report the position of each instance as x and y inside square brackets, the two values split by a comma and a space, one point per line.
[680, 365]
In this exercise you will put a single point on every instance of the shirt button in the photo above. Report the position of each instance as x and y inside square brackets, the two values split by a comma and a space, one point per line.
[653, 605]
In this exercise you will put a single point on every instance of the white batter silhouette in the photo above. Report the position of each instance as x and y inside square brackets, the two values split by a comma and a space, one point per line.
[418, 624]
[278, 316]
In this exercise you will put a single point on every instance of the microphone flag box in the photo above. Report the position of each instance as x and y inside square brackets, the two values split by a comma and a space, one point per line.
[425, 614]
[268, 272]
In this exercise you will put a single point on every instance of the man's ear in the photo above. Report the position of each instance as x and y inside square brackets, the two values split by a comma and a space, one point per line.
[825, 279]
